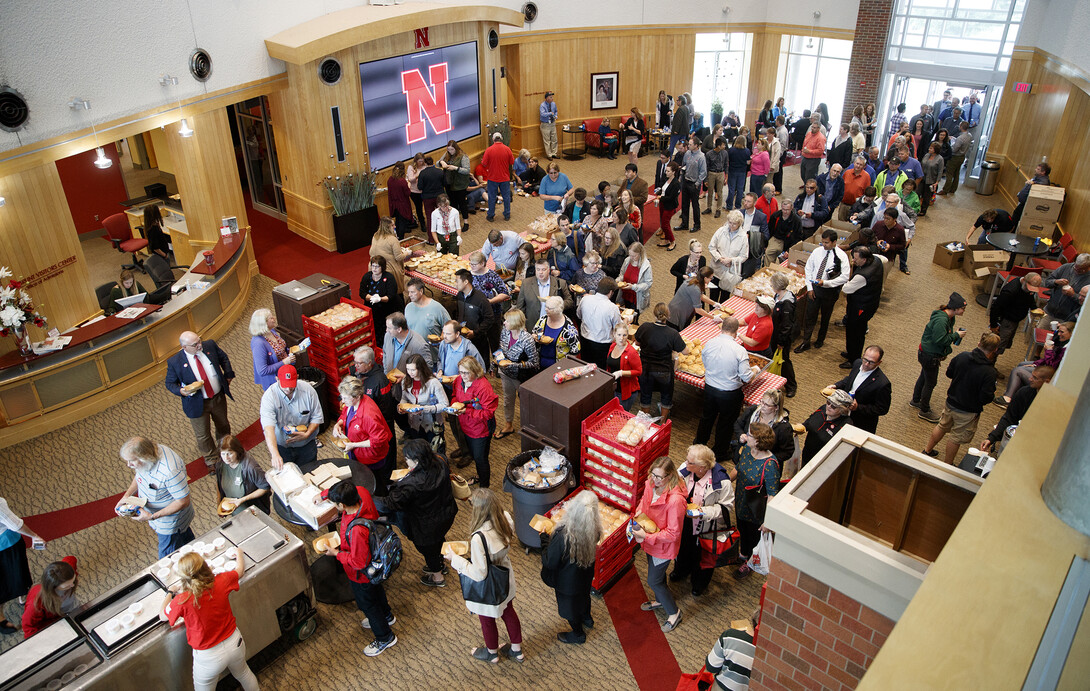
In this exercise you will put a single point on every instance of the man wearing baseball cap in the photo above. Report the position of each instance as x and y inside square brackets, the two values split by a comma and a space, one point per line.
[290, 415]
[547, 114]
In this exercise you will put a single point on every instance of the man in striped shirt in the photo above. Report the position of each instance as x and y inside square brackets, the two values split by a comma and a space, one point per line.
[731, 658]
[160, 479]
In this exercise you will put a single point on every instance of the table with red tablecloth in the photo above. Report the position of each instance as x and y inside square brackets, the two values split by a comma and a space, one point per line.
[707, 328]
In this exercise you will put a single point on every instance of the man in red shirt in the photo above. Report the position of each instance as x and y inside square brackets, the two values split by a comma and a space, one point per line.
[498, 160]
[856, 179]
[354, 555]
[767, 203]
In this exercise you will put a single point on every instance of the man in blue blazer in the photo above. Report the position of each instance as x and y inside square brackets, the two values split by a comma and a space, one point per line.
[204, 361]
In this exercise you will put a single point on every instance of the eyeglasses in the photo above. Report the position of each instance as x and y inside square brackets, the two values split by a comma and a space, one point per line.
[871, 362]
[656, 476]
[465, 372]
[194, 344]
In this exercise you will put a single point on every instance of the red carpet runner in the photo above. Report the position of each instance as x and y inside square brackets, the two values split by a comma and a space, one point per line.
[649, 654]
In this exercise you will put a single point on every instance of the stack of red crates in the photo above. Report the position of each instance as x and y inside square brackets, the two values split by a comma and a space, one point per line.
[331, 349]
[617, 473]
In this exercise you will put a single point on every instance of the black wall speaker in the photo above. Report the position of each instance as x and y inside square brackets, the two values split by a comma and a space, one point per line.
[335, 113]
[329, 71]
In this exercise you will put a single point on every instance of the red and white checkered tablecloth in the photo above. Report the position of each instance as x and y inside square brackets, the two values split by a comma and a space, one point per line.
[539, 247]
[706, 329]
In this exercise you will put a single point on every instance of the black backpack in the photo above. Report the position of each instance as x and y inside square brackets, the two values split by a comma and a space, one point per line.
[385, 547]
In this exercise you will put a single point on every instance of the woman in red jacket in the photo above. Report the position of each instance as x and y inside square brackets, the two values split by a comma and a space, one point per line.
[623, 361]
[202, 605]
[663, 501]
[52, 598]
[354, 554]
[478, 418]
[368, 433]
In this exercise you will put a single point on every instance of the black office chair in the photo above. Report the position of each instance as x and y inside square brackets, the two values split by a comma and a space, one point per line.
[102, 294]
[162, 274]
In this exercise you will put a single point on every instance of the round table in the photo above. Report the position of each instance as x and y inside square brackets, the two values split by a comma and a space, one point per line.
[361, 476]
[574, 144]
[1023, 245]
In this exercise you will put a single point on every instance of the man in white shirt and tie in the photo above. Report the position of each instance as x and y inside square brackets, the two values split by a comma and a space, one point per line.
[202, 361]
[827, 270]
[726, 370]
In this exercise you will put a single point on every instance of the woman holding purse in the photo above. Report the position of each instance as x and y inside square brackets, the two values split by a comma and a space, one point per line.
[757, 473]
[707, 485]
[663, 502]
[484, 573]
[567, 563]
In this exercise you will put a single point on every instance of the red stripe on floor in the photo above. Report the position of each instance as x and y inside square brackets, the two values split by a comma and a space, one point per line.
[649, 654]
[62, 522]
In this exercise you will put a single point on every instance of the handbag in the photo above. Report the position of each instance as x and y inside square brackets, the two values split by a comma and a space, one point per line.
[494, 587]
[756, 497]
[460, 487]
[715, 552]
[700, 681]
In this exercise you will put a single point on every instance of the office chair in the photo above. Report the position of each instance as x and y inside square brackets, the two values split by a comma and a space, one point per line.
[117, 227]
[102, 294]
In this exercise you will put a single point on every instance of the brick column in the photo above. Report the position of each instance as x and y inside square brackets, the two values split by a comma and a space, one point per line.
[868, 55]
[813, 636]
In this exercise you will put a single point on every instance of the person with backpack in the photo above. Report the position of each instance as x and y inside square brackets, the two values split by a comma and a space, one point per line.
[357, 523]
[426, 500]
[488, 581]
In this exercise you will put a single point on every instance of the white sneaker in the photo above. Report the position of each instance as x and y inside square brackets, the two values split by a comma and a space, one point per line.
[375, 648]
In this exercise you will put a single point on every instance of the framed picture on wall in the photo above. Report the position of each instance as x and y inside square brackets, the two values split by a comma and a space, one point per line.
[603, 90]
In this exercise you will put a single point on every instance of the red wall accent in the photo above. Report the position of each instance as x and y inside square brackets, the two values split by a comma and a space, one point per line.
[91, 191]
[812, 636]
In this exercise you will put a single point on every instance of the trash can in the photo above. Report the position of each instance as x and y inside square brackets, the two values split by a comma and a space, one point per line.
[989, 173]
[526, 502]
[317, 378]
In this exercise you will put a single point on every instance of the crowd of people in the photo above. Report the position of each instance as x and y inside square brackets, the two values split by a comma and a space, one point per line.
[438, 366]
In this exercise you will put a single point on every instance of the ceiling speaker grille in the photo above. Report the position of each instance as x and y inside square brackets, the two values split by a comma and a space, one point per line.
[529, 11]
[200, 65]
[329, 71]
[13, 110]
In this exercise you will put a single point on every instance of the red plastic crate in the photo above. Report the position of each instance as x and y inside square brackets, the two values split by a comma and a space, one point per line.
[346, 343]
[331, 336]
[600, 433]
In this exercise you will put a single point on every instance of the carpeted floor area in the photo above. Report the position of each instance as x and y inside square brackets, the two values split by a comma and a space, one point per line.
[79, 464]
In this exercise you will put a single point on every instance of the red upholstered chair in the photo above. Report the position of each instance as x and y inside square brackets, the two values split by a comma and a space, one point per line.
[1068, 255]
[592, 138]
[117, 227]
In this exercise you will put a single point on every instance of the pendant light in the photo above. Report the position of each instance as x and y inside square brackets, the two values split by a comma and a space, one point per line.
[184, 130]
[102, 162]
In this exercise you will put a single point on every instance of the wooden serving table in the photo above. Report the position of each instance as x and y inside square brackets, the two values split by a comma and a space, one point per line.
[707, 329]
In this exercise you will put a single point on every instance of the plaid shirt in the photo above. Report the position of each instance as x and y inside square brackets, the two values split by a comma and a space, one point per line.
[491, 285]
[895, 122]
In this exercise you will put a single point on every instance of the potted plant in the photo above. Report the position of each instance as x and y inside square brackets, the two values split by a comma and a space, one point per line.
[355, 216]
[16, 309]
[717, 112]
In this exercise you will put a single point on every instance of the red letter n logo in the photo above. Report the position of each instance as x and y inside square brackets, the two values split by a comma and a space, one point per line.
[421, 38]
[421, 102]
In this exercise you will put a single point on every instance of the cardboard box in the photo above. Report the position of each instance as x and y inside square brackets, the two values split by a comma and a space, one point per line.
[979, 257]
[800, 252]
[1043, 203]
[847, 232]
[1035, 228]
[948, 259]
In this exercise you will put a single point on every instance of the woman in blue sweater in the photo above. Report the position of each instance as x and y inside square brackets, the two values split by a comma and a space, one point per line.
[268, 348]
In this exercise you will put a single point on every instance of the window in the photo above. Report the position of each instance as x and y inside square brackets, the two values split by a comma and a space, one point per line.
[721, 71]
[817, 72]
[975, 34]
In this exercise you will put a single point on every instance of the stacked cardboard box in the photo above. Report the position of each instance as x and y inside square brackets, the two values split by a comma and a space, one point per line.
[1041, 212]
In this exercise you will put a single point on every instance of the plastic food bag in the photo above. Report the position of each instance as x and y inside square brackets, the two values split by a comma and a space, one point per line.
[573, 373]
[762, 556]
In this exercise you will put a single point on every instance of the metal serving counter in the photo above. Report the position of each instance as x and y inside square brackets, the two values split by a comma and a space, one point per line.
[85, 651]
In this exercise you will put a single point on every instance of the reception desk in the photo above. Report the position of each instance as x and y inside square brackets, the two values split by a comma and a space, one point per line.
[58, 389]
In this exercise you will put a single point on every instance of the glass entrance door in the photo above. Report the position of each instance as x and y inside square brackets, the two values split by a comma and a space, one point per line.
[259, 156]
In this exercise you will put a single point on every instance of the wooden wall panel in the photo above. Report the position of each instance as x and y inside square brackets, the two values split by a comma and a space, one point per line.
[764, 64]
[1048, 122]
[207, 175]
[645, 63]
[38, 242]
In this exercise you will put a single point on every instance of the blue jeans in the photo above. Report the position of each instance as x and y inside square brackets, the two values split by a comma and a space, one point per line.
[503, 188]
[307, 453]
[756, 182]
[656, 581]
[168, 544]
[371, 600]
[475, 197]
[626, 403]
[479, 451]
[736, 189]
[903, 254]
[674, 139]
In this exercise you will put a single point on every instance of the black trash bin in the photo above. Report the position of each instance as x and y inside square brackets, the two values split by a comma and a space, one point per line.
[317, 378]
[526, 502]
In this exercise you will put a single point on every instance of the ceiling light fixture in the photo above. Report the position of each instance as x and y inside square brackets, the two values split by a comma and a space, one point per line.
[102, 161]
[184, 130]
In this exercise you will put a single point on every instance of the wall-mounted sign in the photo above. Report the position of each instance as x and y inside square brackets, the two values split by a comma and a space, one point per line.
[421, 38]
[1022, 87]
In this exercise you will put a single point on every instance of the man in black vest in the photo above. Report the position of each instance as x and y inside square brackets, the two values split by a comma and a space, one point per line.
[870, 389]
[863, 291]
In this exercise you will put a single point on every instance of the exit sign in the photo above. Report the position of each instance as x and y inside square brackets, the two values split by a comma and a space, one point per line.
[1022, 87]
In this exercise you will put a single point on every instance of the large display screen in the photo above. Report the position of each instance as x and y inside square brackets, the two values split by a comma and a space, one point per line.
[420, 101]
